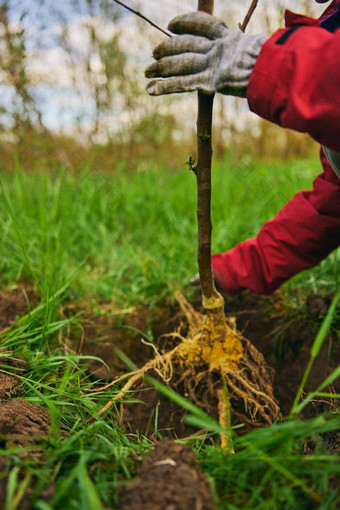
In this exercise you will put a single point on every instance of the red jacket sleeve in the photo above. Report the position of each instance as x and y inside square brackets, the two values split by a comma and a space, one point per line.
[296, 82]
[303, 233]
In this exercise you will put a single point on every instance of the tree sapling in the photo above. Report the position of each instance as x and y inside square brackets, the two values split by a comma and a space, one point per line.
[215, 365]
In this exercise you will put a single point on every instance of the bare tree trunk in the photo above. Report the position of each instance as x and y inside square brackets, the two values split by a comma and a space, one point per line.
[211, 298]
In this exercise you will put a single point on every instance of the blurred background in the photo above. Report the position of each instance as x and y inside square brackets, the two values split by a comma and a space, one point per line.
[72, 88]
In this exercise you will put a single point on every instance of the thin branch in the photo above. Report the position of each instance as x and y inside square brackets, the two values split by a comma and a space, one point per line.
[144, 18]
[211, 298]
[249, 14]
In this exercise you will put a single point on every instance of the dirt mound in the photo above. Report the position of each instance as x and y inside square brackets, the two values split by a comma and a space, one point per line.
[10, 384]
[14, 303]
[22, 424]
[168, 479]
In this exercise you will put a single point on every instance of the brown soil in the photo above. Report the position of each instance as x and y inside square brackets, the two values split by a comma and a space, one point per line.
[14, 303]
[156, 416]
[168, 479]
[22, 424]
[102, 338]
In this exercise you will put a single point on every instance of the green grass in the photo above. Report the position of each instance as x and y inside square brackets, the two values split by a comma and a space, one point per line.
[131, 238]
[269, 469]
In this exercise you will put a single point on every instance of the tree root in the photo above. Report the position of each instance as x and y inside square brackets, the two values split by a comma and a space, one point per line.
[213, 352]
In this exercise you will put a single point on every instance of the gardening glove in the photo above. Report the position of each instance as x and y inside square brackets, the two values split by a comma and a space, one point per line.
[206, 56]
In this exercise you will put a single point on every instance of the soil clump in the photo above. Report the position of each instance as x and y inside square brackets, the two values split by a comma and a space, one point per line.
[23, 424]
[168, 479]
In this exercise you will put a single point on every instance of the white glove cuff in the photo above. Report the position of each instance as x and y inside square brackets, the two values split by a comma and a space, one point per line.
[238, 54]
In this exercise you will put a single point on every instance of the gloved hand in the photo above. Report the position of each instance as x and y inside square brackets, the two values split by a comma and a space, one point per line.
[206, 56]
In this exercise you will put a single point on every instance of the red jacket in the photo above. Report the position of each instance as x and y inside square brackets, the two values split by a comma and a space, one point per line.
[295, 84]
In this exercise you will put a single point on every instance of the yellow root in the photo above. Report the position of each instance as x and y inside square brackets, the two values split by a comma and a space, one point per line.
[213, 346]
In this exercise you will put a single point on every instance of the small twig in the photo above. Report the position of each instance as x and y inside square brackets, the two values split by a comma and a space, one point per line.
[249, 14]
[144, 18]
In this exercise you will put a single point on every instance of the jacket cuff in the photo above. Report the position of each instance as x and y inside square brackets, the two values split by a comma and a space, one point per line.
[224, 278]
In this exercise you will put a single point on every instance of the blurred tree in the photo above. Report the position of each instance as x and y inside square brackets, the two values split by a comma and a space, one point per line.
[74, 71]
[101, 70]
[22, 114]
